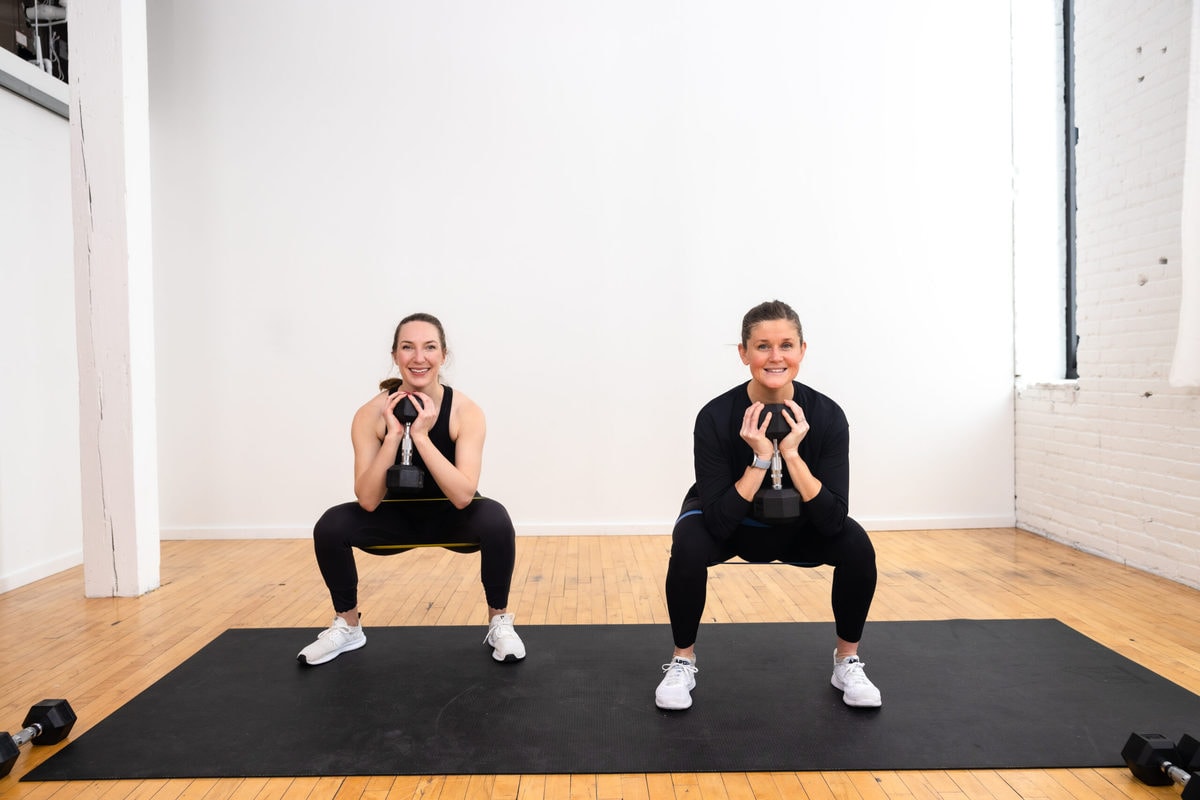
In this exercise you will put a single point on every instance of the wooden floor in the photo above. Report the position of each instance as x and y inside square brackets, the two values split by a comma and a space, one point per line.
[100, 653]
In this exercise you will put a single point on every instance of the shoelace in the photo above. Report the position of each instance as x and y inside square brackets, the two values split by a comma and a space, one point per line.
[678, 672]
[852, 672]
[335, 630]
[499, 631]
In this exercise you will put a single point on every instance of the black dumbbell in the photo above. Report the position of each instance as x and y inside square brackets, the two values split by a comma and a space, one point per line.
[1189, 759]
[1157, 761]
[1189, 753]
[405, 476]
[47, 722]
[774, 504]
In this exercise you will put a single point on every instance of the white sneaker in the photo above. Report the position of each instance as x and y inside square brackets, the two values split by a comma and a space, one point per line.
[338, 638]
[857, 689]
[674, 692]
[506, 645]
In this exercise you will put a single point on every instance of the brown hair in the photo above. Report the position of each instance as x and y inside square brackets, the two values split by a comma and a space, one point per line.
[763, 312]
[391, 384]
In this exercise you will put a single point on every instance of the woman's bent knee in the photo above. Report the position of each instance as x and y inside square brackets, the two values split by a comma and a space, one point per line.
[855, 544]
[692, 546]
[335, 522]
[490, 521]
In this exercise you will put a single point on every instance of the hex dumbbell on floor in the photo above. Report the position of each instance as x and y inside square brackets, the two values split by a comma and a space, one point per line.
[1157, 761]
[47, 722]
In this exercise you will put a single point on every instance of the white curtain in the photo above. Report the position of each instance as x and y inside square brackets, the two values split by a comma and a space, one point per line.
[1185, 370]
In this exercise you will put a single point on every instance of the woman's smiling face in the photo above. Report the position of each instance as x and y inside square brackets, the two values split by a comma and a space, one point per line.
[773, 353]
[418, 354]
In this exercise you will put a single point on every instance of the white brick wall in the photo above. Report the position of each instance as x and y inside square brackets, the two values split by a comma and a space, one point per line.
[1111, 464]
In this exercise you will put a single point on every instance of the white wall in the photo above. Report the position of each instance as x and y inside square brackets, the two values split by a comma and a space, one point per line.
[40, 517]
[1111, 463]
[590, 196]
[620, 169]
[589, 199]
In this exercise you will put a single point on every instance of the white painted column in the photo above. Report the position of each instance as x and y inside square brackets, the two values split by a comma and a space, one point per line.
[114, 298]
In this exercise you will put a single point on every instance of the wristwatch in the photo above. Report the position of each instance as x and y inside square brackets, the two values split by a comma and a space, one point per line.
[760, 463]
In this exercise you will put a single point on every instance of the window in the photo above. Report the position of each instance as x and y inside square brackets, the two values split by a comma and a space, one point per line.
[1070, 140]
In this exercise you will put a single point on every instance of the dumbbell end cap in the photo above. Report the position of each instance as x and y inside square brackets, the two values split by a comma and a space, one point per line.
[54, 717]
[1145, 753]
[1189, 754]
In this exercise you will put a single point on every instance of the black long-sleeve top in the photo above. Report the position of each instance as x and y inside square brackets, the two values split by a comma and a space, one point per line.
[721, 457]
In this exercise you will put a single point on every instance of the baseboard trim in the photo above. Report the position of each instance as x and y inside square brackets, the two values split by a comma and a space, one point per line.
[15, 580]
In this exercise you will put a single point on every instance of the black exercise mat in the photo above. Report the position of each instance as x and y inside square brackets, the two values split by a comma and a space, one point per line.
[958, 694]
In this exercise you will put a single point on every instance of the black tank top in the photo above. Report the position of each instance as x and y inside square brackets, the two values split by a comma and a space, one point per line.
[439, 434]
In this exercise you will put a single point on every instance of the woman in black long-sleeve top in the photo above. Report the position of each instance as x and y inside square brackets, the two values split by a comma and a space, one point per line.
[733, 456]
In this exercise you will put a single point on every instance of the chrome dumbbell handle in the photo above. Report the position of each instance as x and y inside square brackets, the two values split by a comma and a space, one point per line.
[406, 446]
[776, 467]
[27, 734]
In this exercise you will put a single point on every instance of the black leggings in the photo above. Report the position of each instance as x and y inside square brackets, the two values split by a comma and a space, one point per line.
[397, 527]
[694, 550]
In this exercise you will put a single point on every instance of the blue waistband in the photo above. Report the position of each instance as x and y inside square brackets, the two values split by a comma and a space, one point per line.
[753, 523]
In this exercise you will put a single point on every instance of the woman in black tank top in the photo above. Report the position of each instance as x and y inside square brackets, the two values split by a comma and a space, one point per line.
[418, 450]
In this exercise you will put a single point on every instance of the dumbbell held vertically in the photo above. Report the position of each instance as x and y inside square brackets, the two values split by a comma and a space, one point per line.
[405, 476]
[775, 504]
[48, 722]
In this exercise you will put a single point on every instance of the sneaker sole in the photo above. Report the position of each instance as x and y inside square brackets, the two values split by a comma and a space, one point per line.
[303, 660]
[861, 705]
[847, 700]
[664, 707]
[508, 659]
